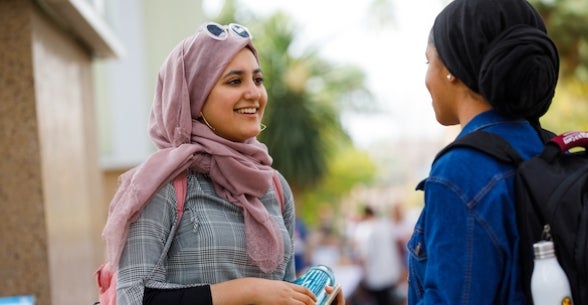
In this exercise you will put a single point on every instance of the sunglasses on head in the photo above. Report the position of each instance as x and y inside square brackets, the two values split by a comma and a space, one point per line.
[221, 32]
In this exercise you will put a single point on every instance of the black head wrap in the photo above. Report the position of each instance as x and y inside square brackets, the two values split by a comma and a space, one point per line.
[499, 49]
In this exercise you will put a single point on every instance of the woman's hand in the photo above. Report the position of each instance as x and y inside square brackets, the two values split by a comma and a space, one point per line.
[339, 298]
[261, 292]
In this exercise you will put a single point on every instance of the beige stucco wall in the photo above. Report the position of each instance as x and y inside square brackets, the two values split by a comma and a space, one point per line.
[50, 183]
[53, 194]
[23, 244]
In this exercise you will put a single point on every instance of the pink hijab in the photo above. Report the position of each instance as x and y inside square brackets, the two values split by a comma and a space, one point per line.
[240, 171]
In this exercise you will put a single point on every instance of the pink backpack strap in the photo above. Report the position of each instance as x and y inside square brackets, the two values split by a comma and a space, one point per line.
[181, 186]
[279, 190]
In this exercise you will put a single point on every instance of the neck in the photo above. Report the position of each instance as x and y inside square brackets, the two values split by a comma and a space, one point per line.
[472, 105]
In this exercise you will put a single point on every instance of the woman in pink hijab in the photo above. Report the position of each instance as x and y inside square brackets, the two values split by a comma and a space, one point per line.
[233, 241]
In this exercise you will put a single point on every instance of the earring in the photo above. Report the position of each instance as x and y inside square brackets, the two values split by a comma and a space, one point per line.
[449, 76]
[206, 122]
[262, 126]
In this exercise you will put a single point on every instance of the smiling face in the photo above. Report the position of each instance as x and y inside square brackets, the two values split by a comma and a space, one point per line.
[235, 105]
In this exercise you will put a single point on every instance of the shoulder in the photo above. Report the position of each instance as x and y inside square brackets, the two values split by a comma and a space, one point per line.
[161, 206]
[283, 182]
[284, 186]
[521, 136]
[166, 197]
[283, 193]
[461, 160]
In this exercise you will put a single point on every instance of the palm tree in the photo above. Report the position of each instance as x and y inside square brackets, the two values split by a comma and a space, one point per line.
[306, 95]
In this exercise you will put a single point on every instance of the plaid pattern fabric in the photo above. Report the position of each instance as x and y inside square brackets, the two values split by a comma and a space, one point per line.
[208, 247]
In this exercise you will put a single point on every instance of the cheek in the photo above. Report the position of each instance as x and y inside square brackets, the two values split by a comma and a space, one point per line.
[222, 99]
[263, 101]
[430, 82]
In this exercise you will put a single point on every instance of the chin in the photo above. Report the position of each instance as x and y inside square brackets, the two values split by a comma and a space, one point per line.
[250, 134]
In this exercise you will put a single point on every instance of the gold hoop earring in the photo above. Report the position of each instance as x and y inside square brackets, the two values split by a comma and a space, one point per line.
[206, 122]
[262, 126]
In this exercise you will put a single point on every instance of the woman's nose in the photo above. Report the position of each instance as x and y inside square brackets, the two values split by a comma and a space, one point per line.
[253, 91]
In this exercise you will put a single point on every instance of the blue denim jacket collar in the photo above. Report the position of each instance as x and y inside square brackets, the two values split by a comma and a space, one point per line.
[480, 121]
[485, 119]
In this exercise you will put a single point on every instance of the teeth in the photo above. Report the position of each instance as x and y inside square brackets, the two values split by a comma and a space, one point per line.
[247, 110]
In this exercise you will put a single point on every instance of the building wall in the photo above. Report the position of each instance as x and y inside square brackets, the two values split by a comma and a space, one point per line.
[150, 29]
[69, 167]
[54, 192]
[50, 180]
[24, 262]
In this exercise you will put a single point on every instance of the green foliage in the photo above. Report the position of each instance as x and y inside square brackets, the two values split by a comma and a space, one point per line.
[567, 26]
[296, 120]
[348, 168]
[569, 109]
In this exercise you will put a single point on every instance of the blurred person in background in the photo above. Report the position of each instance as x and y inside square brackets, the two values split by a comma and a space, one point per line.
[301, 255]
[377, 252]
[402, 231]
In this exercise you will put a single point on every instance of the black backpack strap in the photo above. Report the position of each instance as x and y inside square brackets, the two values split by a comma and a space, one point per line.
[485, 142]
[488, 143]
[544, 134]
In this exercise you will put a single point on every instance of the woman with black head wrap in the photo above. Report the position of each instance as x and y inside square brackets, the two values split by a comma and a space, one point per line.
[492, 67]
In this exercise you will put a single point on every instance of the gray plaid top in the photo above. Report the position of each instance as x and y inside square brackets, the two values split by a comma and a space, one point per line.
[208, 248]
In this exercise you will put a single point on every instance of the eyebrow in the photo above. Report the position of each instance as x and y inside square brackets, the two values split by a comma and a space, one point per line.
[240, 72]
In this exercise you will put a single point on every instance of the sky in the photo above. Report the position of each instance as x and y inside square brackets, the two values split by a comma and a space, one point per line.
[393, 58]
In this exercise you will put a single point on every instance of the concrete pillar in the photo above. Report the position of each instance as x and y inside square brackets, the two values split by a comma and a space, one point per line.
[50, 182]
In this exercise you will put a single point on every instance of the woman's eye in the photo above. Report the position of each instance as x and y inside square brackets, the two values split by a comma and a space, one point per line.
[259, 80]
[234, 81]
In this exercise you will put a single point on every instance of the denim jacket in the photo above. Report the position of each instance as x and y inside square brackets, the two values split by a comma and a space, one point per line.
[464, 248]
